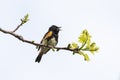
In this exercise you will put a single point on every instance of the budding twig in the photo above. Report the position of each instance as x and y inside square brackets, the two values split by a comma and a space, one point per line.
[23, 21]
[18, 27]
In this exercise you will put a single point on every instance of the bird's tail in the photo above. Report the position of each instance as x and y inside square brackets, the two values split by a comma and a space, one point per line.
[39, 57]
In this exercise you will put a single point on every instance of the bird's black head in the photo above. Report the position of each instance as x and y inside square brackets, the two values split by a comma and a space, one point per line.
[55, 29]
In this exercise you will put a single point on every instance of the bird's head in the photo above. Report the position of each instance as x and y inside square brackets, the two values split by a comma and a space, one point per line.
[55, 29]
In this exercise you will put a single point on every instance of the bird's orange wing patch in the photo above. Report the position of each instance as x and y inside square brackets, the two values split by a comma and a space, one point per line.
[49, 34]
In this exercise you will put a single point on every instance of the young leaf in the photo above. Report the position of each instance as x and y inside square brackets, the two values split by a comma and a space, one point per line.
[74, 45]
[68, 46]
[88, 43]
[25, 19]
[93, 48]
[85, 40]
[82, 38]
[33, 41]
[86, 57]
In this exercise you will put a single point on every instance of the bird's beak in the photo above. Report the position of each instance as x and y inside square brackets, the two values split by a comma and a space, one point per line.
[59, 28]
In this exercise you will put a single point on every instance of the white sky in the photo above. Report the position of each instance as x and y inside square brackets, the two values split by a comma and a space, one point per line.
[100, 17]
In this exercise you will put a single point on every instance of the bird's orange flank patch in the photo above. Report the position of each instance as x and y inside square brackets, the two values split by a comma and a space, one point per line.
[48, 34]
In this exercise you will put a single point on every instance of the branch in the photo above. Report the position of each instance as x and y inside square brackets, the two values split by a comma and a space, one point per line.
[84, 38]
[32, 42]
[23, 21]
[18, 26]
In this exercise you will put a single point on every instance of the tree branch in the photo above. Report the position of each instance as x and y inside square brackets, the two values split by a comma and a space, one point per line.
[73, 47]
[32, 42]
[23, 21]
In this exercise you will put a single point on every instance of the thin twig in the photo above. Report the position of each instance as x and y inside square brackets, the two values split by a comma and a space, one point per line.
[18, 27]
[23, 21]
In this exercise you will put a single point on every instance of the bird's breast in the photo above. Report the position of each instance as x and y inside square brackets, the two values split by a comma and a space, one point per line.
[52, 42]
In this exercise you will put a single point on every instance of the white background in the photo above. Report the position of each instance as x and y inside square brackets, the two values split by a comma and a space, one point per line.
[100, 17]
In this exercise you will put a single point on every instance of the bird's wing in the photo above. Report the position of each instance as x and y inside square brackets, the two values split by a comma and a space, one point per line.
[46, 36]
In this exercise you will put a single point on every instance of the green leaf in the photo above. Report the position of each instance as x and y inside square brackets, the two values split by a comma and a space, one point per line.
[33, 41]
[85, 31]
[84, 36]
[80, 53]
[93, 48]
[74, 45]
[86, 57]
[97, 48]
[25, 19]
[88, 43]
[68, 46]
[85, 45]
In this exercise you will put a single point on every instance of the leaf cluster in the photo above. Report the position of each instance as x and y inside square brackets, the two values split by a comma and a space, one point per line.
[84, 44]
[25, 19]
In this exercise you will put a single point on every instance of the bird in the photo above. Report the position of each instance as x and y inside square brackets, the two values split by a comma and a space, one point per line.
[49, 39]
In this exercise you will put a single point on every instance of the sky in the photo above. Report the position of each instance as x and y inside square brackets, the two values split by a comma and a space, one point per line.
[101, 19]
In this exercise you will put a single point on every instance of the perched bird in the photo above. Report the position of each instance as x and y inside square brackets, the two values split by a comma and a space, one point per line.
[49, 39]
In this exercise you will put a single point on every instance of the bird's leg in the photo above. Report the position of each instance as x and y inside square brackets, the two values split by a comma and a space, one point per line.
[52, 47]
